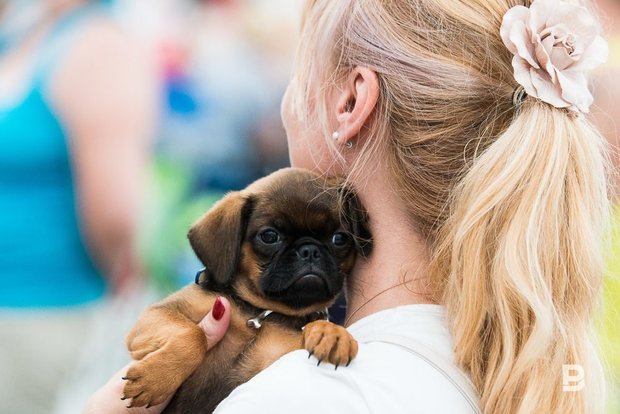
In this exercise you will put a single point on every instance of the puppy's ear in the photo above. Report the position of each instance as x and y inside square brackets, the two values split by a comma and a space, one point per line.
[355, 218]
[218, 235]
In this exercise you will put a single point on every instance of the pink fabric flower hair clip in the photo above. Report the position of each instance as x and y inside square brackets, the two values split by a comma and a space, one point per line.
[555, 44]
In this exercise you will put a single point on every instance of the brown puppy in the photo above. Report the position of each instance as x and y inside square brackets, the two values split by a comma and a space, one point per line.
[281, 245]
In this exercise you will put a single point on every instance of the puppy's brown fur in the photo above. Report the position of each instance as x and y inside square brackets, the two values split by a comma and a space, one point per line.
[172, 349]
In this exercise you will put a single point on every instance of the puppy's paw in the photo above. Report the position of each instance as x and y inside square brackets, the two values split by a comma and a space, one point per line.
[151, 381]
[161, 372]
[329, 342]
[142, 343]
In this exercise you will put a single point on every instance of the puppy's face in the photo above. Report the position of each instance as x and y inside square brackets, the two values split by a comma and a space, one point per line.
[295, 250]
[280, 244]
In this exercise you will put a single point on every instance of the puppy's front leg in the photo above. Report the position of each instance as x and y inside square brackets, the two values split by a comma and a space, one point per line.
[168, 344]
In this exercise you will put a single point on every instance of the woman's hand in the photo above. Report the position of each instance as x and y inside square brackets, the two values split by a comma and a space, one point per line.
[107, 400]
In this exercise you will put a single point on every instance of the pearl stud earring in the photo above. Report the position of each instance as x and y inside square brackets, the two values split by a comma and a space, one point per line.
[336, 135]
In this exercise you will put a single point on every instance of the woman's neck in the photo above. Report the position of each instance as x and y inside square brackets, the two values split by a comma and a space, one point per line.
[395, 272]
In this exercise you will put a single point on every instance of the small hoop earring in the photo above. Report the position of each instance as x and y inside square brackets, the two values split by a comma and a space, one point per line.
[336, 135]
[349, 145]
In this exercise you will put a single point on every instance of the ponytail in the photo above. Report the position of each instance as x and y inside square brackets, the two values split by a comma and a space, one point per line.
[519, 263]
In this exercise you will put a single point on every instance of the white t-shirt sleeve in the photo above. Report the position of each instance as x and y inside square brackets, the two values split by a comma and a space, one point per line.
[294, 384]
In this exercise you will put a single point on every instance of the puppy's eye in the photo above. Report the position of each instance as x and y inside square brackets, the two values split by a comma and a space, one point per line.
[340, 239]
[269, 236]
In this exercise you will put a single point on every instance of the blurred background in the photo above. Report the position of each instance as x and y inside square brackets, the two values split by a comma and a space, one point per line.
[223, 66]
[195, 87]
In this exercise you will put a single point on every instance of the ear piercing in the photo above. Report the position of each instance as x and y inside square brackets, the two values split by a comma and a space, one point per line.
[336, 137]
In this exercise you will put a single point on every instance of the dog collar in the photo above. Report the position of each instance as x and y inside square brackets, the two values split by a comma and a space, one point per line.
[298, 322]
[198, 274]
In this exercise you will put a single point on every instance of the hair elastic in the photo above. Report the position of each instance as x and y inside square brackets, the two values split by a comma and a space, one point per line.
[518, 96]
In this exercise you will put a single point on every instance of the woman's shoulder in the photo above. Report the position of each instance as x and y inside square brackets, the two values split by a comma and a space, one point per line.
[295, 383]
[106, 61]
[382, 378]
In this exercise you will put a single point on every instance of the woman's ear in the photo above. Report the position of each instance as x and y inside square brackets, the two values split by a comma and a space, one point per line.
[355, 102]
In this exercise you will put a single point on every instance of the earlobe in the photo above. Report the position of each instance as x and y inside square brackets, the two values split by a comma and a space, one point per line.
[356, 102]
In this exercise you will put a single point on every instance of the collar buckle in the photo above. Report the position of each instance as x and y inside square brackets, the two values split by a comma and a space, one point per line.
[257, 322]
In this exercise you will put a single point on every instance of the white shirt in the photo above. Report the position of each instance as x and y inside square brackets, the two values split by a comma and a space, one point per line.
[383, 378]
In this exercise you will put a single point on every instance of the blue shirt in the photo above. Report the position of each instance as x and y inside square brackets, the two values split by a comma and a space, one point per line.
[43, 259]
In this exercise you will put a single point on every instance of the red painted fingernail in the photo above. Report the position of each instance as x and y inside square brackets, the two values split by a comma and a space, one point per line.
[218, 309]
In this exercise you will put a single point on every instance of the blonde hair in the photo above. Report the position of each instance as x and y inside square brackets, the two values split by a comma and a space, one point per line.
[512, 202]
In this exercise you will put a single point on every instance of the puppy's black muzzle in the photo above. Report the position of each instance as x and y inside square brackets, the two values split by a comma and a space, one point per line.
[304, 274]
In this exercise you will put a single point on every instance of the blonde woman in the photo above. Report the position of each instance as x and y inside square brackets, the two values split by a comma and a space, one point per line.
[460, 125]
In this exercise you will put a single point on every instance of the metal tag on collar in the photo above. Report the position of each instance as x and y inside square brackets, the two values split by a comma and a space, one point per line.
[323, 314]
[198, 273]
[257, 323]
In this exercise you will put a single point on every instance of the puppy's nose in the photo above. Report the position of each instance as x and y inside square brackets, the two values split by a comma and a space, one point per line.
[309, 252]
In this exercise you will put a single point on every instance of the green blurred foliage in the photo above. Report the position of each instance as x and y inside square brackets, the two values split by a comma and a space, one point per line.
[608, 317]
[172, 208]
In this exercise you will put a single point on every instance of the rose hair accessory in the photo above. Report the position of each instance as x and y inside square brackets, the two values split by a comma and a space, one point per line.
[555, 44]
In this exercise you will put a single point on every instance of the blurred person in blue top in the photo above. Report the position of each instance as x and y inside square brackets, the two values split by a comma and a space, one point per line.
[76, 114]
